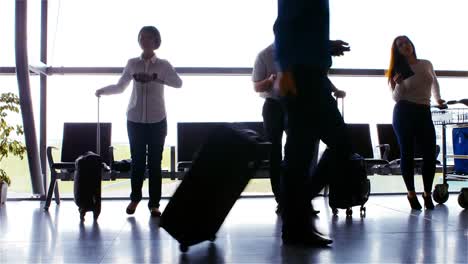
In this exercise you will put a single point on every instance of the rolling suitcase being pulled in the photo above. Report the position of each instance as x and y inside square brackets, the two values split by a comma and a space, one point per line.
[87, 184]
[348, 183]
[352, 189]
[219, 173]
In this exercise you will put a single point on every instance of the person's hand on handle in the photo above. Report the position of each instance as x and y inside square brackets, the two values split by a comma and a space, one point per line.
[441, 102]
[98, 92]
[339, 94]
[287, 85]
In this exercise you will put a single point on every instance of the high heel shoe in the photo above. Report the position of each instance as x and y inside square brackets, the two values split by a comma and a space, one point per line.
[414, 203]
[428, 204]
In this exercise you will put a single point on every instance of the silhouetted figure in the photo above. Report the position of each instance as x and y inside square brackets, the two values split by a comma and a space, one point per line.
[304, 50]
[146, 115]
[412, 80]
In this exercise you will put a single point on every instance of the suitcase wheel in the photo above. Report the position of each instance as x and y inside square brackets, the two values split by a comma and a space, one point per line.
[335, 211]
[349, 212]
[440, 193]
[363, 211]
[183, 248]
[463, 198]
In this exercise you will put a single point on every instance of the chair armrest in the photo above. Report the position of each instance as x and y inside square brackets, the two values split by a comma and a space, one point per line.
[63, 166]
[386, 148]
[50, 159]
[182, 165]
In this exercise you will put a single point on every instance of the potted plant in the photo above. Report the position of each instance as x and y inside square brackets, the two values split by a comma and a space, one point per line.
[9, 103]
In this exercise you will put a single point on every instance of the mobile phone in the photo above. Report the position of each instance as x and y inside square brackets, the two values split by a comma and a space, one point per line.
[405, 70]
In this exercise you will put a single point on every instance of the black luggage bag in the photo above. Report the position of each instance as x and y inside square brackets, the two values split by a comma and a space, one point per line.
[87, 184]
[351, 189]
[348, 183]
[220, 171]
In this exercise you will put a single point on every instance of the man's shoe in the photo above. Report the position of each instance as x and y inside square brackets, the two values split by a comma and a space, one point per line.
[132, 207]
[308, 239]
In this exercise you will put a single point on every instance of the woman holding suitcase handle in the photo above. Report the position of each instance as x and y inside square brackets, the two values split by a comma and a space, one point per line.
[412, 80]
[146, 115]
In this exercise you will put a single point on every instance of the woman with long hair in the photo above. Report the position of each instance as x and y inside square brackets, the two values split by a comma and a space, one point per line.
[412, 82]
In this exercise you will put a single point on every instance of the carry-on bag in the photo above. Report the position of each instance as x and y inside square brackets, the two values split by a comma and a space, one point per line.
[87, 184]
[88, 176]
[351, 189]
[220, 171]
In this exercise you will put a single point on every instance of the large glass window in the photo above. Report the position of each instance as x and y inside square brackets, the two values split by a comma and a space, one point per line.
[16, 168]
[7, 32]
[370, 27]
[194, 33]
[220, 33]
[7, 28]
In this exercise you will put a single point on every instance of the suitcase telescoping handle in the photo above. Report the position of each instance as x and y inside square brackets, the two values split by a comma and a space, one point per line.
[342, 105]
[98, 130]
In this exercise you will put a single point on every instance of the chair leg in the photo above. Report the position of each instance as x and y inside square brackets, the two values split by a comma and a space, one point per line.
[53, 181]
[57, 194]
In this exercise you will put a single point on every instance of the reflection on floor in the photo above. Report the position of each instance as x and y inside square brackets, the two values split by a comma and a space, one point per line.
[390, 233]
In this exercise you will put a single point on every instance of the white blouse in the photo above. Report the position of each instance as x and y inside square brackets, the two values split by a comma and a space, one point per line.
[418, 88]
[147, 100]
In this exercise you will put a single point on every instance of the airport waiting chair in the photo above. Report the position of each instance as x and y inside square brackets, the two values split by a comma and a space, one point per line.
[192, 135]
[78, 138]
[361, 144]
[390, 150]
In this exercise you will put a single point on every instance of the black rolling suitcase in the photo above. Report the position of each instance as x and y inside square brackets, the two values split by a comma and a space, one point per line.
[350, 187]
[88, 176]
[87, 184]
[220, 171]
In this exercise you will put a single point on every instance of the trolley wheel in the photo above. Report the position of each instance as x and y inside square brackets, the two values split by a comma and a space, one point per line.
[440, 193]
[212, 239]
[363, 211]
[349, 212]
[183, 248]
[335, 211]
[463, 198]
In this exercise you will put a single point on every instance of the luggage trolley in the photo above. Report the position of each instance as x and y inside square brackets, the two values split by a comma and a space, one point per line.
[454, 118]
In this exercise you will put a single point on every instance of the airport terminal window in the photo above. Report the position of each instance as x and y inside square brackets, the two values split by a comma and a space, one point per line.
[204, 33]
[16, 168]
[213, 33]
[7, 28]
[370, 27]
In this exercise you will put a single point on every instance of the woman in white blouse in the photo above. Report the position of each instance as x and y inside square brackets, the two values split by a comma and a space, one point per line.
[412, 81]
[146, 115]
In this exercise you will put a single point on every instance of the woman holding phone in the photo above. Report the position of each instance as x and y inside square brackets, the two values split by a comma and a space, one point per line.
[146, 115]
[412, 82]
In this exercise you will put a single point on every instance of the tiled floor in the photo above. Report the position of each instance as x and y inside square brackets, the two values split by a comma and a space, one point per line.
[390, 233]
